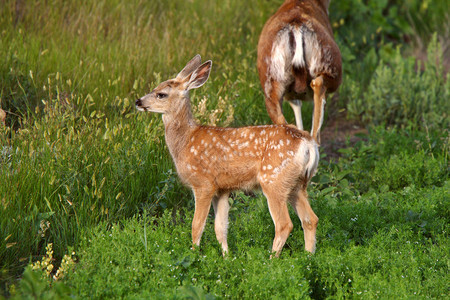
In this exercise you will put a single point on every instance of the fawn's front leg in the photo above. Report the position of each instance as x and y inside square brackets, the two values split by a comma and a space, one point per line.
[203, 199]
[221, 209]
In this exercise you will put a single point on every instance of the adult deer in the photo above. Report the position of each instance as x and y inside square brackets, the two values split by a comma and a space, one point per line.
[214, 161]
[298, 59]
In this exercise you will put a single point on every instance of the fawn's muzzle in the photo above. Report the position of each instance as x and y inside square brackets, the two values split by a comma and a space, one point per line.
[138, 102]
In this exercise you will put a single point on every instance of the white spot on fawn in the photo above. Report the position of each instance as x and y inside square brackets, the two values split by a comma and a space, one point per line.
[243, 145]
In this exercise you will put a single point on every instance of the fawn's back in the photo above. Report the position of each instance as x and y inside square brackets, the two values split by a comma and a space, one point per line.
[243, 158]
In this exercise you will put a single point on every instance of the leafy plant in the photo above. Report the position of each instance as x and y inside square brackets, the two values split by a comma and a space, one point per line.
[400, 94]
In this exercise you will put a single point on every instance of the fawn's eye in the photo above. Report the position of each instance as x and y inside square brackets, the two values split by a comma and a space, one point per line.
[161, 95]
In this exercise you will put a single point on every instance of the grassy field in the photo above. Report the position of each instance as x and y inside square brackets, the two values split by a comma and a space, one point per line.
[81, 170]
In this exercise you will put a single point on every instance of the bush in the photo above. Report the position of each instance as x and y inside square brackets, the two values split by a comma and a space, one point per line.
[402, 94]
[391, 160]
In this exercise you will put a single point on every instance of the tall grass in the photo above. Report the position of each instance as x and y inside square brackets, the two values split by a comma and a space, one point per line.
[66, 172]
[113, 48]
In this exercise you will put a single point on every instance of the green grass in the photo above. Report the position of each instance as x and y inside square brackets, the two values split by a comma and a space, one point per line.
[381, 241]
[113, 49]
[78, 164]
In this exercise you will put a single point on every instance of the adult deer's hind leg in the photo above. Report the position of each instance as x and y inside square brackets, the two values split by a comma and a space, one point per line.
[319, 89]
[274, 98]
[296, 106]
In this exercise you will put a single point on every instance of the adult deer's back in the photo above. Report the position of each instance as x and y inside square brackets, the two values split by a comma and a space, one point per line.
[298, 59]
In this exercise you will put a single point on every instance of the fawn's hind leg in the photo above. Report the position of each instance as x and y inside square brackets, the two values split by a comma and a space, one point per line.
[280, 215]
[221, 209]
[300, 203]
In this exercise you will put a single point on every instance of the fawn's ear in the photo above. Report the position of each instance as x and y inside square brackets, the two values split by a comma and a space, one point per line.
[199, 76]
[190, 67]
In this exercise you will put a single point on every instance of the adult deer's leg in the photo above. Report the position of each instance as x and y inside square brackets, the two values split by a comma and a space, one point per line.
[221, 209]
[274, 97]
[202, 204]
[307, 216]
[297, 108]
[319, 106]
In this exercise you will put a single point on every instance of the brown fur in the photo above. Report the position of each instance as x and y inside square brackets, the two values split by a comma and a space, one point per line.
[214, 161]
[310, 17]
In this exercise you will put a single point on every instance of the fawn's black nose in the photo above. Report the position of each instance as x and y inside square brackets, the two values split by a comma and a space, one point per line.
[138, 102]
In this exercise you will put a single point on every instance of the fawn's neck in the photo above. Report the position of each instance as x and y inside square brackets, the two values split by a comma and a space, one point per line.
[178, 126]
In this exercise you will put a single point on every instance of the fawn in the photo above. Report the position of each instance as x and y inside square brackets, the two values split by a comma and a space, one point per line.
[299, 60]
[214, 161]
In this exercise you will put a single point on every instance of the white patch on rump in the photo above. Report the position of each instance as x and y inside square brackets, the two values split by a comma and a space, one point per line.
[298, 60]
[313, 52]
[307, 156]
[281, 54]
